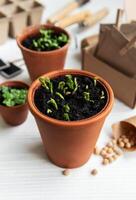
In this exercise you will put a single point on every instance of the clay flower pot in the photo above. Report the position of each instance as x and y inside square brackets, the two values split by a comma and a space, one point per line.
[70, 144]
[14, 115]
[39, 63]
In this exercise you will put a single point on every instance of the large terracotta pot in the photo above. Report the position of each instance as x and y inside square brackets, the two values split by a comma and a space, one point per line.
[69, 144]
[39, 63]
[14, 115]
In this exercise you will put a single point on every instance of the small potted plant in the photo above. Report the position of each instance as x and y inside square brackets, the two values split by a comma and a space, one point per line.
[44, 48]
[13, 102]
[70, 107]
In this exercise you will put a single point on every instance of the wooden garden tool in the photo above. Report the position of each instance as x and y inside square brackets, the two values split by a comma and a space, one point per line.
[95, 18]
[66, 10]
[74, 19]
[83, 18]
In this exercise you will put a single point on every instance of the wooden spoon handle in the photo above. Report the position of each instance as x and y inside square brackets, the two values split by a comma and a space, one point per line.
[73, 19]
[63, 12]
[94, 18]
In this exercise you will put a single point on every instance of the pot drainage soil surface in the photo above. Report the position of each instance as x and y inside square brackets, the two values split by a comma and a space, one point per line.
[87, 98]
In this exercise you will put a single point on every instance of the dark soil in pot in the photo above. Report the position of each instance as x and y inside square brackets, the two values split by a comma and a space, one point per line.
[70, 97]
[46, 40]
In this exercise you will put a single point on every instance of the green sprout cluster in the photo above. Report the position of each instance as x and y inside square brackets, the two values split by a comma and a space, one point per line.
[67, 87]
[64, 88]
[49, 40]
[13, 96]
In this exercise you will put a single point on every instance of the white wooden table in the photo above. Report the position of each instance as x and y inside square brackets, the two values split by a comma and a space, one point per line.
[26, 173]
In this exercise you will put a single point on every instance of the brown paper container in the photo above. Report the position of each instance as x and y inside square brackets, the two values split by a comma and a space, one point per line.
[4, 28]
[129, 30]
[34, 9]
[124, 87]
[112, 41]
[18, 20]
[123, 127]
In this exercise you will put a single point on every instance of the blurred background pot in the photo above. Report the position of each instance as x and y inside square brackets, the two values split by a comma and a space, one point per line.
[69, 144]
[14, 115]
[39, 63]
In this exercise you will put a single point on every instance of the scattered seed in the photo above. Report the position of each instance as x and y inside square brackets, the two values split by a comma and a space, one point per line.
[66, 172]
[121, 144]
[110, 144]
[128, 145]
[94, 172]
[115, 157]
[110, 159]
[103, 153]
[110, 150]
[119, 153]
[105, 161]
[126, 140]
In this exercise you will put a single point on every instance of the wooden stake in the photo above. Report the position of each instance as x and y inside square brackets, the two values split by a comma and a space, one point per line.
[118, 18]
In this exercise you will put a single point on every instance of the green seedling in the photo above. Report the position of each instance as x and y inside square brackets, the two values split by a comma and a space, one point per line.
[66, 108]
[49, 111]
[70, 82]
[61, 85]
[13, 96]
[95, 80]
[53, 103]
[49, 40]
[60, 95]
[66, 117]
[76, 85]
[102, 95]
[47, 84]
[86, 96]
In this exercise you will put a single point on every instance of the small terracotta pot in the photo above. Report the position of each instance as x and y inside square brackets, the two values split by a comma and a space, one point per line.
[69, 144]
[39, 63]
[14, 115]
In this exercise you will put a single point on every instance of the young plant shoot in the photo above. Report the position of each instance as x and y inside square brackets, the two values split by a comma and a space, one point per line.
[70, 97]
[46, 40]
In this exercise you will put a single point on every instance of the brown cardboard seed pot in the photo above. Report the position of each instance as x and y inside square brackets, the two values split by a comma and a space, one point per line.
[14, 115]
[39, 63]
[69, 144]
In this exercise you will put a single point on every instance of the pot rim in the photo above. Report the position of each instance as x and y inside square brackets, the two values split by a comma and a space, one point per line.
[98, 116]
[16, 83]
[32, 30]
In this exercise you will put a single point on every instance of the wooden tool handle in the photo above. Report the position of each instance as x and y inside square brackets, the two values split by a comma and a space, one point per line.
[73, 19]
[63, 12]
[93, 19]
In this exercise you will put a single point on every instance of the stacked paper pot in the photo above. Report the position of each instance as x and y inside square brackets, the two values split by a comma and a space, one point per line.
[16, 15]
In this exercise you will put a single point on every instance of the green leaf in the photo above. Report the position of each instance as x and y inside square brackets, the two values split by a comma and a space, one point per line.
[49, 111]
[60, 95]
[61, 85]
[86, 96]
[70, 82]
[66, 117]
[66, 108]
[53, 103]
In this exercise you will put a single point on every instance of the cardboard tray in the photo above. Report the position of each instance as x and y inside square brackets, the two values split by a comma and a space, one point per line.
[124, 87]
[16, 15]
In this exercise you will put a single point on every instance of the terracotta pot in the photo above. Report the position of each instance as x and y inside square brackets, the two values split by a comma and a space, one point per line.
[39, 63]
[14, 115]
[69, 144]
